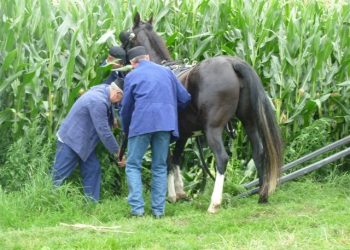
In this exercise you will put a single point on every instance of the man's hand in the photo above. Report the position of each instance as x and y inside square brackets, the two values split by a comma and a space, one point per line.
[122, 162]
[115, 123]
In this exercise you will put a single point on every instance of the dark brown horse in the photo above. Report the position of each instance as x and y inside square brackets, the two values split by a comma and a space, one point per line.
[221, 87]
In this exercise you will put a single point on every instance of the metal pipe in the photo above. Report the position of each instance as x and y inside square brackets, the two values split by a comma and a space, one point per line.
[307, 157]
[305, 170]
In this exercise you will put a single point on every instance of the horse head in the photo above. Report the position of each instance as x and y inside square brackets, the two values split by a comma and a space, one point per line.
[142, 34]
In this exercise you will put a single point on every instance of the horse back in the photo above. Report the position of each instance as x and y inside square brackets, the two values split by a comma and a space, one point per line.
[215, 89]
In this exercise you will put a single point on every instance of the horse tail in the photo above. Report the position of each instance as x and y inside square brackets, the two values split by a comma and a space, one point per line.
[268, 128]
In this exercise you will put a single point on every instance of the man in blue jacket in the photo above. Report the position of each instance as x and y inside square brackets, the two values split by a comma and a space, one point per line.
[152, 95]
[116, 57]
[88, 122]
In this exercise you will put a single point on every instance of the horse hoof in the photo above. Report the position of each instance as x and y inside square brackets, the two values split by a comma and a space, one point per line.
[172, 199]
[213, 209]
[263, 200]
[182, 197]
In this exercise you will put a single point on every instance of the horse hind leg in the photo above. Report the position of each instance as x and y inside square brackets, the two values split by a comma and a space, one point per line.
[258, 155]
[214, 137]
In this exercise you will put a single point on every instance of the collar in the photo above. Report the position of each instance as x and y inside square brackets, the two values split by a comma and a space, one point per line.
[108, 93]
[141, 62]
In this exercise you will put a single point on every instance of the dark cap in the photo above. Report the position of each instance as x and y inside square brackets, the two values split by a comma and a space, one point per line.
[124, 37]
[117, 52]
[136, 51]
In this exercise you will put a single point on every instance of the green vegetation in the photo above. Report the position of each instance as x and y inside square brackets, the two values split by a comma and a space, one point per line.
[301, 215]
[50, 49]
[306, 214]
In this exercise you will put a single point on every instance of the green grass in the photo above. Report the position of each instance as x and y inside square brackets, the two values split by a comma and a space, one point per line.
[300, 215]
[299, 48]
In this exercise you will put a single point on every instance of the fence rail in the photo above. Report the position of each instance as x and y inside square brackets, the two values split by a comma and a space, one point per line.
[308, 168]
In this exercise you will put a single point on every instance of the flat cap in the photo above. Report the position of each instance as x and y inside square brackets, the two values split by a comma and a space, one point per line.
[137, 51]
[117, 52]
[124, 37]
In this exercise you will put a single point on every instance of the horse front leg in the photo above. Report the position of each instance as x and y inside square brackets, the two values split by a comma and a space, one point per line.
[175, 183]
[214, 137]
[171, 185]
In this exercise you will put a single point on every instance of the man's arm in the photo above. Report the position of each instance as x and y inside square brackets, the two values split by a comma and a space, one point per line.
[99, 116]
[127, 106]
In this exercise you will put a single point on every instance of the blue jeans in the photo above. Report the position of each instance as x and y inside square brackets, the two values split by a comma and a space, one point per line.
[67, 160]
[137, 147]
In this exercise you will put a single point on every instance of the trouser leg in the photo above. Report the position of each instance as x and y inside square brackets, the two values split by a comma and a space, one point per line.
[91, 174]
[65, 162]
[137, 147]
[160, 147]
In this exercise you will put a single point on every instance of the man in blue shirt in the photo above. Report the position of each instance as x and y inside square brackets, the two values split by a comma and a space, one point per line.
[116, 57]
[149, 113]
[88, 122]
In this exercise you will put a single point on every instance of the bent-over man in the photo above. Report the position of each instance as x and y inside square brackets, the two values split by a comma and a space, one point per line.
[88, 122]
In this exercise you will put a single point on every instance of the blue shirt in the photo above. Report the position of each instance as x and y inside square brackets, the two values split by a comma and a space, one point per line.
[152, 95]
[114, 75]
[88, 122]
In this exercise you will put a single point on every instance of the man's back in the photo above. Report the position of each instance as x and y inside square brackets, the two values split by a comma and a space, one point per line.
[150, 95]
[88, 122]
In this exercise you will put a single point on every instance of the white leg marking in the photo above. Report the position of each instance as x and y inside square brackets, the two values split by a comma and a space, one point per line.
[216, 196]
[171, 187]
[179, 184]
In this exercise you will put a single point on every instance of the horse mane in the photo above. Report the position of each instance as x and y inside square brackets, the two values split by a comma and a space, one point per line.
[157, 43]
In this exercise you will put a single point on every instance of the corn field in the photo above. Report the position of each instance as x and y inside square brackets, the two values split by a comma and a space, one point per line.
[49, 50]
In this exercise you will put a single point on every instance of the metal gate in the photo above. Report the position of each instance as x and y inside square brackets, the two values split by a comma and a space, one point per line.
[307, 169]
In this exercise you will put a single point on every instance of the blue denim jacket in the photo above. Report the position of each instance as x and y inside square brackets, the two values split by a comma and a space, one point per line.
[152, 96]
[88, 122]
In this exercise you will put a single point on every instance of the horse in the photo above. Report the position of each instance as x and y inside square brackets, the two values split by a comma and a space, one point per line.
[221, 88]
